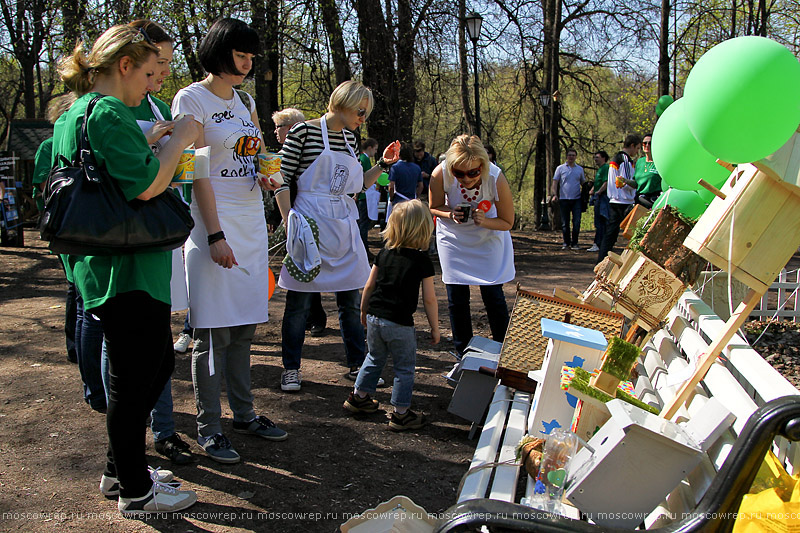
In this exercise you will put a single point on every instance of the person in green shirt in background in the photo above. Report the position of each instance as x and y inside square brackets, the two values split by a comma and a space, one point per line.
[648, 181]
[368, 150]
[129, 293]
[600, 198]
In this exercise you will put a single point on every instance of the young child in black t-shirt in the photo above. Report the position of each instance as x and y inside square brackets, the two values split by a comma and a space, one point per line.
[388, 303]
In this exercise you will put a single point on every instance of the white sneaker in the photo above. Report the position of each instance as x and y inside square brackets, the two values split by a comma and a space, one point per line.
[291, 380]
[594, 248]
[162, 498]
[182, 344]
[109, 486]
[565, 246]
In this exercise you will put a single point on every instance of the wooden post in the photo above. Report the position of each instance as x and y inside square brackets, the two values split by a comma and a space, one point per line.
[705, 361]
[711, 188]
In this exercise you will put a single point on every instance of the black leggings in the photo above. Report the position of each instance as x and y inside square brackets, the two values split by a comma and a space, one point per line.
[140, 358]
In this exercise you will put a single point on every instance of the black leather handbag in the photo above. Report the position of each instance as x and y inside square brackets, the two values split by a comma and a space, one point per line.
[86, 213]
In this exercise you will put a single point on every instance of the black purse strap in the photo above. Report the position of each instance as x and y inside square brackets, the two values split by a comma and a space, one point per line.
[87, 160]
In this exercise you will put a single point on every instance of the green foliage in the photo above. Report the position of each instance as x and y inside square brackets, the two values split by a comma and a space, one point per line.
[581, 384]
[620, 357]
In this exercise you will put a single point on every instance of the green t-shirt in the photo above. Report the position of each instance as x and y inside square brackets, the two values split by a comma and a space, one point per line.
[647, 178]
[120, 146]
[41, 169]
[366, 164]
[600, 177]
[143, 112]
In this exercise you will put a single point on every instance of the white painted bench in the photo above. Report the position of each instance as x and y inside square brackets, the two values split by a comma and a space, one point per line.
[741, 377]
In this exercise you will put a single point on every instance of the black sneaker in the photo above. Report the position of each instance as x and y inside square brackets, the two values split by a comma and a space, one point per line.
[409, 420]
[317, 330]
[174, 449]
[355, 404]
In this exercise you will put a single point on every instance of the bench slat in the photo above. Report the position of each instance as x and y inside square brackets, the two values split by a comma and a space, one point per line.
[504, 485]
[477, 482]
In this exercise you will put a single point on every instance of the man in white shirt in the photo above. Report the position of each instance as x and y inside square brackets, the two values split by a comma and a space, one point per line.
[567, 183]
[621, 191]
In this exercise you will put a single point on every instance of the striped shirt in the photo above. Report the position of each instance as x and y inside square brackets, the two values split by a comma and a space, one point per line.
[302, 147]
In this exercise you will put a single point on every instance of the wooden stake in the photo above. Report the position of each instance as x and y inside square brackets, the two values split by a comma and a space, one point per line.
[729, 166]
[718, 193]
[738, 318]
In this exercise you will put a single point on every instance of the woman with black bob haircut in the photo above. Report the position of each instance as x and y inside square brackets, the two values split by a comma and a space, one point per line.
[226, 303]
[216, 50]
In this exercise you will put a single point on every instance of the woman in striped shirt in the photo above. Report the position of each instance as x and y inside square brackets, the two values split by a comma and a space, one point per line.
[321, 173]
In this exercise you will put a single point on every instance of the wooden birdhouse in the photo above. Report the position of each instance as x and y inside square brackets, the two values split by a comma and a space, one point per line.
[569, 345]
[602, 482]
[754, 230]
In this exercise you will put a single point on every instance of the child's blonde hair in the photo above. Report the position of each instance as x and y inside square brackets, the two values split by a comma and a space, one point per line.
[410, 226]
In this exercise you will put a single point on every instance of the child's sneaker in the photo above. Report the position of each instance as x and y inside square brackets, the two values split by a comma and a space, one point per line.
[409, 420]
[354, 404]
[161, 498]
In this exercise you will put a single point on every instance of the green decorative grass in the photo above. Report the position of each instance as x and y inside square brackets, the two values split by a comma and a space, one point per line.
[620, 358]
[581, 384]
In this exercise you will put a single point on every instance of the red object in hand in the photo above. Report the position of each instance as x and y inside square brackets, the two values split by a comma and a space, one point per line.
[485, 206]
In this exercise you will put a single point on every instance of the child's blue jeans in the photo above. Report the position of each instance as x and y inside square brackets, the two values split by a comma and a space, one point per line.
[385, 337]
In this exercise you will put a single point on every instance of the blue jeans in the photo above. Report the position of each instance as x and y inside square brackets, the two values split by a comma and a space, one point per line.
[70, 319]
[161, 422]
[385, 337]
[89, 345]
[461, 320]
[616, 214]
[293, 330]
[186, 327]
[568, 207]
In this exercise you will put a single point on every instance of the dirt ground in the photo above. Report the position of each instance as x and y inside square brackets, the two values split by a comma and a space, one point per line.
[332, 466]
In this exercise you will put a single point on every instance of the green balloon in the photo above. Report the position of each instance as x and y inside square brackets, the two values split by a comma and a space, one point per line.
[383, 179]
[742, 98]
[680, 160]
[665, 101]
[687, 202]
[705, 195]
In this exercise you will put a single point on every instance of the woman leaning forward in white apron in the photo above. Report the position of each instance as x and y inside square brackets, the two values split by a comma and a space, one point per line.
[476, 250]
[226, 254]
[320, 167]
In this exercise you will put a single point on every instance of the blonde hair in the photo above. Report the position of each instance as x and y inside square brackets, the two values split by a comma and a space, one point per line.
[289, 116]
[59, 105]
[348, 96]
[464, 150]
[410, 226]
[78, 70]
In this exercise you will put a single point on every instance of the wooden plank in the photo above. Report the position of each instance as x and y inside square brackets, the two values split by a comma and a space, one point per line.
[476, 482]
[737, 319]
[504, 486]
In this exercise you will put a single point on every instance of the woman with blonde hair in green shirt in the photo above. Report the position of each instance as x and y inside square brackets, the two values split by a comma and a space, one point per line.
[129, 293]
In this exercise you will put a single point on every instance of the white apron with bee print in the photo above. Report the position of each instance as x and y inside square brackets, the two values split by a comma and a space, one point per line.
[221, 297]
[323, 193]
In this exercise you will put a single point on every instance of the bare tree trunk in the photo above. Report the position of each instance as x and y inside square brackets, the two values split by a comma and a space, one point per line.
[663, 50]
[330, 18]
[185, 38]
[733, 20]
[377, 59]
[264, 20]
[72, 11]
[469, 118]
[406, 75]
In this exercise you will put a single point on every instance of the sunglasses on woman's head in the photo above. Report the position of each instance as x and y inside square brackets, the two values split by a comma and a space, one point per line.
[471, 173]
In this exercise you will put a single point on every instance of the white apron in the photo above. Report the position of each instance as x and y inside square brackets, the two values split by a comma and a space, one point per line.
[221, 297]
[177, 283]
[322, 194]
[469, 254]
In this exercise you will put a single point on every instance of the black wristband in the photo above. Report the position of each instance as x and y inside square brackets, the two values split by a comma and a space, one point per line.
[214, 237]
[383, 164]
